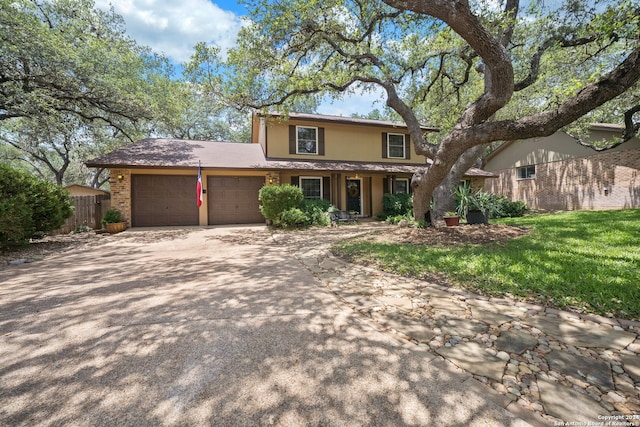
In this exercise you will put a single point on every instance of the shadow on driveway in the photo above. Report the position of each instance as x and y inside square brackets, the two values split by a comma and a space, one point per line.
[207, 327]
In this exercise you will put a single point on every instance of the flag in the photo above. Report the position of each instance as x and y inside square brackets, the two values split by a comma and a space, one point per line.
[199, 187]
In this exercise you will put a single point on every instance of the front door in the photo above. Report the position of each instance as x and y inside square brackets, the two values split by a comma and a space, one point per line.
[354, 195]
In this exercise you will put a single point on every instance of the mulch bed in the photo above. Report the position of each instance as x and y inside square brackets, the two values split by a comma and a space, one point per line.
[480, 234]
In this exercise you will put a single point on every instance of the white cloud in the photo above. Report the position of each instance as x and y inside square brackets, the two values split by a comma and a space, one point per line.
[174, 27]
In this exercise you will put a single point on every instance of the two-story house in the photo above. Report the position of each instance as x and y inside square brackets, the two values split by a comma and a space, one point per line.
[350, 162]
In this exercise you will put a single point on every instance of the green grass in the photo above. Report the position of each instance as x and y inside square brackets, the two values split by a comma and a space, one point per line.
[582, 261]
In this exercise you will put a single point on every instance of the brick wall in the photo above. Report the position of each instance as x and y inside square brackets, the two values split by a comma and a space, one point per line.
[120, 182]
[608, 180]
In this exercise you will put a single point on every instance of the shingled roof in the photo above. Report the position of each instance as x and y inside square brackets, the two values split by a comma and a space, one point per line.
[346, 120]
[179, 153]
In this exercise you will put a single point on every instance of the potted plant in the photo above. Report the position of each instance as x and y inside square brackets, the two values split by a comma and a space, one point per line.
[113, 222]
[482, 207]
[464, 199]
[451, 219]
[474, 207]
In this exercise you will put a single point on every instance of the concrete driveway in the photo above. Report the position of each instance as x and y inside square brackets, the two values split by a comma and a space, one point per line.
[217, 326]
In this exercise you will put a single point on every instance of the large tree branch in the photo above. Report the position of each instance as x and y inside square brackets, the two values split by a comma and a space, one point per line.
[534, 64]
[631, 127]
[593, 95]
[498, 69]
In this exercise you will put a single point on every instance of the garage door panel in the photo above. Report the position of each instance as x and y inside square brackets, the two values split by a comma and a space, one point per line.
[162, 200]
[234, 200]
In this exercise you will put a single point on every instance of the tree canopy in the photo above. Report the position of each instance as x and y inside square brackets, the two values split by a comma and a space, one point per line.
[73, 85]
[482, 71]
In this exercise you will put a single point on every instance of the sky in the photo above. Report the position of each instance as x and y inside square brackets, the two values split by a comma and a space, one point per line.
[173, 27]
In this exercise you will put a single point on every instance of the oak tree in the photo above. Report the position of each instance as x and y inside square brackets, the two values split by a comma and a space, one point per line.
[73, 84]
[497, 69]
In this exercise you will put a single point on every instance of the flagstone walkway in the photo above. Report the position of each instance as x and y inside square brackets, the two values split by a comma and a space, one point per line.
[547, 366]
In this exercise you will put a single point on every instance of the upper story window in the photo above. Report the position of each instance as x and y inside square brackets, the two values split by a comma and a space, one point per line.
[307, 140]
[395, 146]
[527, 172]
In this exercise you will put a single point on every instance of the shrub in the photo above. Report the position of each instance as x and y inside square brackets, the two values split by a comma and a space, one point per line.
[317, 212]
[395, 219]
[397, 204]
[276, 199]
[29, 207]
[506, 208]
[293, 218]
[112, 216]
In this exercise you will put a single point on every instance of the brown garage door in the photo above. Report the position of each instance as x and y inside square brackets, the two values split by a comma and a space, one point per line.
[234, 200]
[159, 200]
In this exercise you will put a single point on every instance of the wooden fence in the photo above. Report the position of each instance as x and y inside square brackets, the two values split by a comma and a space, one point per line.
[88, 210]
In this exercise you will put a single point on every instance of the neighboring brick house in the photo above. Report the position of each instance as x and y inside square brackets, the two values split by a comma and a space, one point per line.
[348, 161]
[558, 173]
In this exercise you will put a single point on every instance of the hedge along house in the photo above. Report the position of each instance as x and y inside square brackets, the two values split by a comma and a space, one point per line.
[558, 173]
[350, 162]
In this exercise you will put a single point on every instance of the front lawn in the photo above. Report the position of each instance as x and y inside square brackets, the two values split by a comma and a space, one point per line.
[581, 261]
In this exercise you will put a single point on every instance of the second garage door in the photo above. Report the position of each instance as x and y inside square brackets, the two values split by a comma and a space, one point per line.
[234, 200]
[160, 200]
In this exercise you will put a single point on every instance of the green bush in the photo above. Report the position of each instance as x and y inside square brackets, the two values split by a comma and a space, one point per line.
[29, 207]
[317, 212]
[395, 219]
[112, 216]
[396, 204]
[293, 218]
[506, 208]
[493, 205]
[276, 199]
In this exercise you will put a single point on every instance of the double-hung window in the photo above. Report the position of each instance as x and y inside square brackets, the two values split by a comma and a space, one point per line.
[311, 187]
[402, 186]
[527, 172]
[306, 140]
[395, 146]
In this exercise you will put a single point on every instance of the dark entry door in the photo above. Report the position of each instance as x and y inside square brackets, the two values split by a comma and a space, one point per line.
[354, 195]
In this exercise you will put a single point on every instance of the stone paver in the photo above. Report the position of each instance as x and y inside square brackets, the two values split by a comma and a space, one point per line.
[415, 329]
[568, 404]
[491, 317]
[585, 334]
[590, 370]
[632, 366]
[397, 301]
[474, 358]
[515, 342]
[560, 367]
[461, 327]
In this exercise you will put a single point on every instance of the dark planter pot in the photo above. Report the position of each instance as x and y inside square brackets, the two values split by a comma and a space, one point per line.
[452, 221]
[476, 217]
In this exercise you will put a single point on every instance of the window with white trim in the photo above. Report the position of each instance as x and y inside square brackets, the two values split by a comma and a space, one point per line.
[395, 146]
[402, 186]
[306, 140]
[527, 172]
[311, 187]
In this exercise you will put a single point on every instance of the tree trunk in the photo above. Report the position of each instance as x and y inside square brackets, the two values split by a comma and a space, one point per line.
[421, 200]
[98, 180]
[443, 194]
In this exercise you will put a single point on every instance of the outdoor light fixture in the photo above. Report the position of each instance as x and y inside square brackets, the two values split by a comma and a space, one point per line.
[120, 177]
